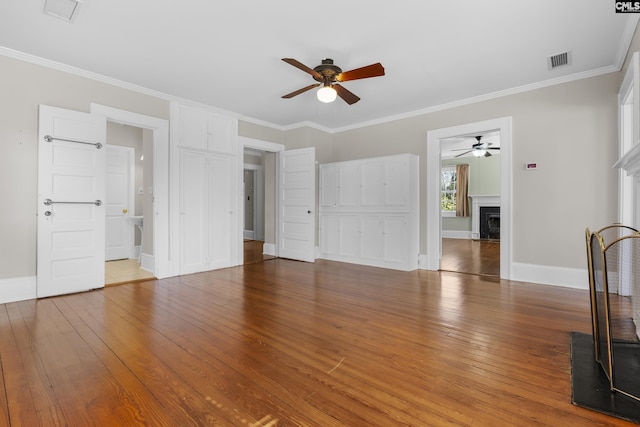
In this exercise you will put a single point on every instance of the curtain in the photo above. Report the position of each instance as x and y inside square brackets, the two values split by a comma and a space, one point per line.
[462, 192]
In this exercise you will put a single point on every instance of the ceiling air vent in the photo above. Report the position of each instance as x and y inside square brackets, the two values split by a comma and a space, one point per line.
[558, 60]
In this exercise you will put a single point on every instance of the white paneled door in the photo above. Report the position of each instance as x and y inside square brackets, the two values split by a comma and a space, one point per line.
[71, 194]
[296, 220]
[119, 205]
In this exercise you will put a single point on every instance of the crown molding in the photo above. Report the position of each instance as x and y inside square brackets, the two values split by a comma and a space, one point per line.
[629, 32]
[36, 60]
[627, 38]
[485, 97]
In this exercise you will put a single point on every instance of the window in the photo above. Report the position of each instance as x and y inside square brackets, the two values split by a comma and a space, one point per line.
[448, 188]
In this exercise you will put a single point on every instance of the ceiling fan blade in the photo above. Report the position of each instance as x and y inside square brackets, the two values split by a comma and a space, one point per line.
[300, 65]
[487, 154]
[493, 148]
[460, 155]
[299, 91]
[373, 70]
[348, 96]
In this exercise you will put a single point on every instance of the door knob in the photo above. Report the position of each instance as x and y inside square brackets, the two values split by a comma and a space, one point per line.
[124, 210]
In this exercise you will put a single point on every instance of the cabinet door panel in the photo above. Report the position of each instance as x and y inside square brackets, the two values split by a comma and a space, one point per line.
[349, 184]
[193, 212]
[222, 133]
[328, 186]
[221, 211]
[193, 128]
[396, 185]
[373, 183]
[395, 239]
[330, 234]
[349, 236]
[372, 241]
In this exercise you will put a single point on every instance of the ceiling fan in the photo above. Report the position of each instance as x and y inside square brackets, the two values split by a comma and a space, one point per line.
[478, 149]
[328, 74]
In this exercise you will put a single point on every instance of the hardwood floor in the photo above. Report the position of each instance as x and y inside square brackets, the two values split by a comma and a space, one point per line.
[253, 252]
[291, 343]
[124, 271]
[471, 256]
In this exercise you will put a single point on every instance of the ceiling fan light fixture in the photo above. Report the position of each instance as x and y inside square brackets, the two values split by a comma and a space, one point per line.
[479, 152]
[326, 94]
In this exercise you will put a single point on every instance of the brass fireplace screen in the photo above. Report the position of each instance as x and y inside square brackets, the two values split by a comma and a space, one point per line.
[613, 255]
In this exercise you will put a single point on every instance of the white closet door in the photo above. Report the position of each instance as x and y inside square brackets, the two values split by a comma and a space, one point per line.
[194, 212]
[297, 195]
[221, 218]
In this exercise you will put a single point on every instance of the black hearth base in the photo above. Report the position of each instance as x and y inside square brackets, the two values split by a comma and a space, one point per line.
[590, 386]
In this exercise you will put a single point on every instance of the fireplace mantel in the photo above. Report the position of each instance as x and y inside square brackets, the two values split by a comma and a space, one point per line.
[478, 201]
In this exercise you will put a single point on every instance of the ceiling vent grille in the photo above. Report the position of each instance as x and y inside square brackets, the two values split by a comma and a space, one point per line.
[559, 60]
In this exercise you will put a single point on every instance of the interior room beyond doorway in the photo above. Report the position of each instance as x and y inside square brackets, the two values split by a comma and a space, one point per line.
[480, 257]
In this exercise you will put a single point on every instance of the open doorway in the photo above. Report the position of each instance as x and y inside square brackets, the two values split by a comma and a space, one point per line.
[155, 256]
[470, 203]
[433, 235]
[259, 212]
[129, 192]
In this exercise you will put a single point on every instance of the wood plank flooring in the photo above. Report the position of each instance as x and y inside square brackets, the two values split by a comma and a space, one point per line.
[471, 256]
[124, 271]
[253, 252]
[284, 343]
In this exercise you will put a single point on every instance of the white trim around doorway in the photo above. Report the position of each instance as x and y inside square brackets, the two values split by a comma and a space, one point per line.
[432, 191]
[162, 262]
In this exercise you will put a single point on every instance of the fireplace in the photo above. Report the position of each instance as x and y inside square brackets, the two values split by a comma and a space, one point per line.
[480, 203]
[490, 222]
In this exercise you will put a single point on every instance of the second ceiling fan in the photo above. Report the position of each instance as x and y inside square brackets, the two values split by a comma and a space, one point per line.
[478, 149]
[328, 74]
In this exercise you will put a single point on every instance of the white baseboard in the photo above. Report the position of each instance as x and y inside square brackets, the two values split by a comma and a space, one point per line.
[17, 289]
[456, 234]
[577, 278]
[248, 234]
[269, 249]
[147, 262]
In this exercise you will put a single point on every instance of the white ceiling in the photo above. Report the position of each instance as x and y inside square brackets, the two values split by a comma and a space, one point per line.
[227, 54]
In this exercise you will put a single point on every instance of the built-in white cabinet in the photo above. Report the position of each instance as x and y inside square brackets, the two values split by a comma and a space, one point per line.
[204, 130]
[369, 211]
[207, 188]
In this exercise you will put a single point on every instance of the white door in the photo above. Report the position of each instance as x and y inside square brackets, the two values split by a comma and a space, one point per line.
[71, 192]
[119, 202]
[222, 218]
[296, 201]
[194, 215]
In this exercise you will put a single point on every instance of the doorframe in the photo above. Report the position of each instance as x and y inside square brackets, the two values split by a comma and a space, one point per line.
[164, 255]
[271, 147]
[258, 198]
[629, 133]
[433, 230]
